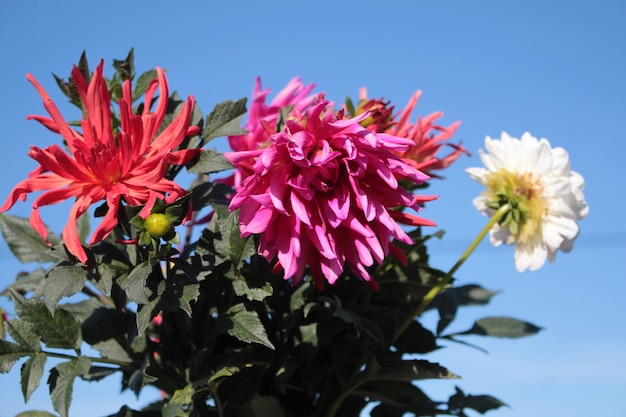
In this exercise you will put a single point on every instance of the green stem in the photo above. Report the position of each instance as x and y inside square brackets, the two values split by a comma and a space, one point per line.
[434, 291]
[101, 360]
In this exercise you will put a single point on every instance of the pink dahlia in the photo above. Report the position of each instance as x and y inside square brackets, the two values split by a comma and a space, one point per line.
[325, 192]
[294, 94]
[427, 137]
[101, 164]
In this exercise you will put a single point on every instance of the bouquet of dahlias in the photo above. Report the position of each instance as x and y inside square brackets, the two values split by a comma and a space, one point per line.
[288, 279]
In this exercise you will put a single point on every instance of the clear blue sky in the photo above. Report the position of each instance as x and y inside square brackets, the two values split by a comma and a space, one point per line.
[556, 69]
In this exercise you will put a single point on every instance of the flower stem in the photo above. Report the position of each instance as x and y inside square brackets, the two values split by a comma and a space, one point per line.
[100, 360]
[434, 291]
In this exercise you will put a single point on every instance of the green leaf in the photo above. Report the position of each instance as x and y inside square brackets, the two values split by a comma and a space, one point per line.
[31, 373]
[61, 331]
[405, 370]
[96, 373]
[35, 414]
[209, 162]
[25, 334]
[145, 314]
[246, 326]
[474, 295]
[24, 241]
[175, 407]
[26, 282]
[142, 83]
[10, 353]
[225, 372]
[82, 227]
[135, 284]
[480, 403]
[416, 339]
[225, 119]
[240, 248]
[112, 349]
[63, 281]
[266, 407]
[501, 327]
[83, 309]
[206, 193]
[61, 383]
[242, 289]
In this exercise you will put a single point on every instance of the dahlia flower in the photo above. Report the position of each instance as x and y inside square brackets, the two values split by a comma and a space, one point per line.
[545, 197]
[101, 164]
[325, 192]
[427, 137]
[294, 94]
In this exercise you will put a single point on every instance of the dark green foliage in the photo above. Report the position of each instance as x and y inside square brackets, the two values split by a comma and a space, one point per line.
[213, 327]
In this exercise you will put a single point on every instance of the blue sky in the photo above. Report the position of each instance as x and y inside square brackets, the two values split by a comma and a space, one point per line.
[556, 69]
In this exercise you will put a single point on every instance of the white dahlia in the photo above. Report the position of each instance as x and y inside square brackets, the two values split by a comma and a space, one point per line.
[545, 197]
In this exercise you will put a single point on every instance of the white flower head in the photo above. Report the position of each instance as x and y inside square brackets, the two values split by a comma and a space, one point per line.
[545, 195]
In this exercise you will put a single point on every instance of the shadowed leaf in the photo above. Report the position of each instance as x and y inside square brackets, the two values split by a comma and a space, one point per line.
[61, 382]
[31, 373]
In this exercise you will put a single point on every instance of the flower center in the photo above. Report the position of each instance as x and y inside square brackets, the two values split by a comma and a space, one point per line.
[103, 163]
[523, 192]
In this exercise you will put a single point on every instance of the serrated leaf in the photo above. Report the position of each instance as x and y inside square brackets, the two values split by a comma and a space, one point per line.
[246, 326]
[24, 241]
[61, 331]
[175, 407]
[111, 349]
[24, 334]
[242, 289]
[31, 373]
[63, 281]
[135, 284]
[209, 162]
[501, 327]
[83, 309]
[145, 314]
[61, 382]
[10, 353]
[225, 119]
[240, 248]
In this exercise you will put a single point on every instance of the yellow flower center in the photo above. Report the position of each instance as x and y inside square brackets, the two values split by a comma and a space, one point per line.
[524, 193]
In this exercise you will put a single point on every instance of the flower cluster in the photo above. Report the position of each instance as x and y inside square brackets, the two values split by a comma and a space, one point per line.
[323, 194]
[101, 164]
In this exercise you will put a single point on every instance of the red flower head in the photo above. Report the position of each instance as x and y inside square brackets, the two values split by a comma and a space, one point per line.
[294, 94]
[325, 192]
[103, 165]
[428, 139]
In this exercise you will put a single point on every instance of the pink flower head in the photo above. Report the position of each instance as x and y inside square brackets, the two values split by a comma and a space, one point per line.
[325, 192]
[428, 138]
[294, 94]
[103, 165]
